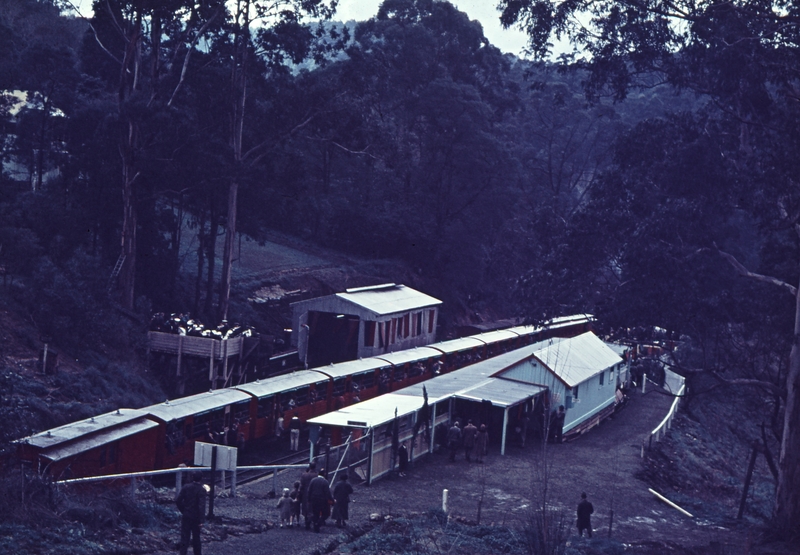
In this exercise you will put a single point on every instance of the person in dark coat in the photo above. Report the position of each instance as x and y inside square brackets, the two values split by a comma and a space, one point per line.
[191, 502]
[305, 480]
[481, 443]
[402, 458]
[557, 424]
[470, 431]
[454, 440]
[585, 510]
[319, 499]
[341, 495]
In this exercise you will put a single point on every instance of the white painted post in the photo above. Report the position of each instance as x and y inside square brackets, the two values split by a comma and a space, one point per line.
[433, 430]
[505, 430]
[444, 501]
[644, 383]
[179, 479]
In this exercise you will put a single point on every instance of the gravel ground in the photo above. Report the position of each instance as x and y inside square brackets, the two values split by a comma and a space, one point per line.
[603, 462]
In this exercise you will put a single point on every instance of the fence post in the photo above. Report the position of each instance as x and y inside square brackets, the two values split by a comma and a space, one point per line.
[133, 487]
[444, 501]
[233, 483]
[179, 478]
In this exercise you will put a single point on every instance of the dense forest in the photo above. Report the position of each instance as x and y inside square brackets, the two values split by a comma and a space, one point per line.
[649, 178]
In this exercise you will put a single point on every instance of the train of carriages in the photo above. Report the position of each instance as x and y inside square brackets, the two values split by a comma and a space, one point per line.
[163, 435]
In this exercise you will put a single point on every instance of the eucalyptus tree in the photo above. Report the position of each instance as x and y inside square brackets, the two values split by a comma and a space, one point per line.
[272, 34]
[431, 89]
[141, 50]
[743, 57]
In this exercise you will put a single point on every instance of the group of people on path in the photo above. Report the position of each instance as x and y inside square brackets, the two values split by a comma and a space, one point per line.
[316, 501]
[471, 438]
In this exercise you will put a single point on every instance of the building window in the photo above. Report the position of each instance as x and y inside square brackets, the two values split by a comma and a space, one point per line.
[602, 378]
[575, 392]
[406, 320]
[418, 316]
[431, 314]
[369, 334]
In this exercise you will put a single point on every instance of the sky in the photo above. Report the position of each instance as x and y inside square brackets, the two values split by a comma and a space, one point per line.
[508, 40]
[511, 40]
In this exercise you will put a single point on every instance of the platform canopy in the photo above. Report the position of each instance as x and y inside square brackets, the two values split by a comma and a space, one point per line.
[372, 413]
[502, 393]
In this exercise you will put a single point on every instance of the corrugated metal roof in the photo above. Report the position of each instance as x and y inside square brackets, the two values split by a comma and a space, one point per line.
[475, 382]
[196, 404]
[352, 367]
[409, 355]
[74, 430]
[456, 345]
[500, 392]
[285, 382]
[374, 412]
[388, 299]
[105, 437]
[497, 335]
[577, 359]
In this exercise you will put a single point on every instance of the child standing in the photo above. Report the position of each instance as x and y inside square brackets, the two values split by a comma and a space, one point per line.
[285, 508]
[294, 519]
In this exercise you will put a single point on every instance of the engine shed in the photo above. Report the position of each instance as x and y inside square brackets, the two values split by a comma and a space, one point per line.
[363, 322]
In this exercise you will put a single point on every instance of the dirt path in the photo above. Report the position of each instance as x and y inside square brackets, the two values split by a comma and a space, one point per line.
[604, 463]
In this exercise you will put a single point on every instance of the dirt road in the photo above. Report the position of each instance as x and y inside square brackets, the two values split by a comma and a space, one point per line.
[603, 462]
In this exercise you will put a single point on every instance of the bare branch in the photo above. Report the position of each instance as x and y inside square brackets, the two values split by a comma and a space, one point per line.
[739, 267]
[188, 56]
[769, 386]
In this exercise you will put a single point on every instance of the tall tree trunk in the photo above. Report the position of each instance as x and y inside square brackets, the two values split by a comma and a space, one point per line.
[211, 255]
[127, 276]
[227, 258]
[239, 88]
[787, 498]
[198, 282]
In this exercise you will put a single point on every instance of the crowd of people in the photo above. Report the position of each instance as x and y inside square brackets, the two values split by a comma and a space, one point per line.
[315, 501]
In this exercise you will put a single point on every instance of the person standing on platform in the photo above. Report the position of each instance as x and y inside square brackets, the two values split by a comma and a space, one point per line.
[402, 459]
[305, 480]
[319, 499]
[454, 440]
[341, 495]
[470, 431]
[585, 510]
[191, 502]
[481, 443]
[294, 433]
[285, 509]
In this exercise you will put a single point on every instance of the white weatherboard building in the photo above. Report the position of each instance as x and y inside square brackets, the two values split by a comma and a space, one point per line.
[582, 373]
[363, 322]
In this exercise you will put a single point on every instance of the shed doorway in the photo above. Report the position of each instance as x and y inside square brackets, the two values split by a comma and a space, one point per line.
[331, 338]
